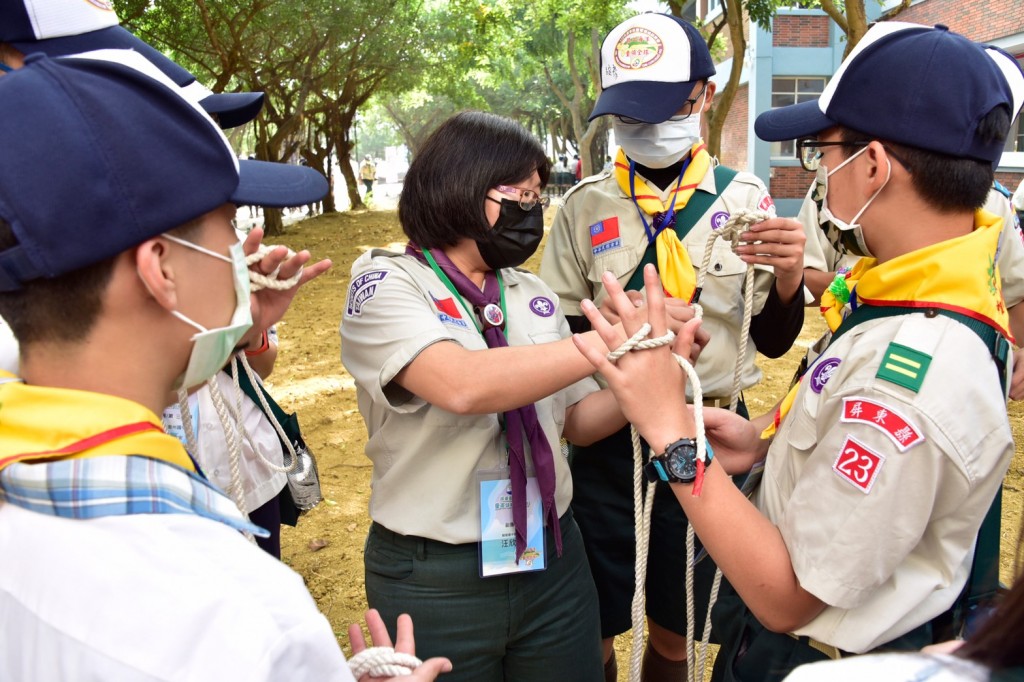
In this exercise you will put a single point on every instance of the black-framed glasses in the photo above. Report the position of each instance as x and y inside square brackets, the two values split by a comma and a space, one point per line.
[687, 104]
[810, 155]
[527, 197]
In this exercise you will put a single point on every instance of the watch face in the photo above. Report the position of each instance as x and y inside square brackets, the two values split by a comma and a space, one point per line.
[682, 461]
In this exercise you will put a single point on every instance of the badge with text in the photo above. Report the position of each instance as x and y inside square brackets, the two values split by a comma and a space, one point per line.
[900, 430]
[498, 533]
[858, 464]
[362, 290]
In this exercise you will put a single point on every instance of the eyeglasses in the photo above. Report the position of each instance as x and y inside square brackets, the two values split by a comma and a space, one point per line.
[810, 154]
[527, 197]
[687, 104]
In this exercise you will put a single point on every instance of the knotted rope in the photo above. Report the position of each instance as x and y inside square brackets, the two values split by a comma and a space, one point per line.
[382, 661]
[737, 224]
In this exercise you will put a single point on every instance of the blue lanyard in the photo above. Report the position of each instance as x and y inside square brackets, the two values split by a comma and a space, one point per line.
[652, 234]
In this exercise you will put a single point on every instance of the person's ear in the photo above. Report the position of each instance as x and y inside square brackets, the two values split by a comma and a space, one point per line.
[709, 96]
[156, 272]
[878, 167]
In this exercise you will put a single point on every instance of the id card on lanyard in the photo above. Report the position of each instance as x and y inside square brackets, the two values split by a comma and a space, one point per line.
[497, 531]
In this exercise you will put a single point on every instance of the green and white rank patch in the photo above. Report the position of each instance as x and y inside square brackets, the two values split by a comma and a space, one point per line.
[904, 366]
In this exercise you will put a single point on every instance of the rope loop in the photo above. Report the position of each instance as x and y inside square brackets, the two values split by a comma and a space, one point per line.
[258, 280]
[382, 661]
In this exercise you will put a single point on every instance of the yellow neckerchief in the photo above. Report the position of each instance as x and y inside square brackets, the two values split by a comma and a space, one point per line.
[674, 265]
[40, 423]
[932, 277]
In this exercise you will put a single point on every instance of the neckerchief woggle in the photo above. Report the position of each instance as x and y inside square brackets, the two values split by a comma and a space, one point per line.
[674, 266]
[931, 277]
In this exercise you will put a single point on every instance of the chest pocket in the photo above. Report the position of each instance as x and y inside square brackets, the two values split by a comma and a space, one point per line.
[621, 262]
[724, 263]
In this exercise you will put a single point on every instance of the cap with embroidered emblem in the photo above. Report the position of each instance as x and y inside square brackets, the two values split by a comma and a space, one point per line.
[649, 66]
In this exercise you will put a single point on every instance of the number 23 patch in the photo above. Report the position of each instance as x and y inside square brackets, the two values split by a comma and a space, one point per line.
[858, 464]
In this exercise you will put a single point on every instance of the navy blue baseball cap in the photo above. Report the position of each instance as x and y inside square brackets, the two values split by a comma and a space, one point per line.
[910, 84]
[60, 28]
[649, 66]
[100, 156]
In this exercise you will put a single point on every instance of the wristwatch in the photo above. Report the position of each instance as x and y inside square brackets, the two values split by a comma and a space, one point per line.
[678, 464]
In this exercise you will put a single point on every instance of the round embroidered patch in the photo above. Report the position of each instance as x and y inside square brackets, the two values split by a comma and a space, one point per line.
[638, 48]
[825, 370]
[542, 306]
[719, 219]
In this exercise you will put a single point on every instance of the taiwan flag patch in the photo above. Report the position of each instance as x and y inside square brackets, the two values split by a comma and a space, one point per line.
[448, 311]
[604, 235]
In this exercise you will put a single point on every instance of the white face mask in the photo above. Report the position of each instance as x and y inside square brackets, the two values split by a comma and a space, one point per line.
[212, 348]
[844, 237]
[659, 145]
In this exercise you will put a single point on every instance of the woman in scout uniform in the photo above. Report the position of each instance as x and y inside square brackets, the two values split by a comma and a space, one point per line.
[876, 481]
[466, 379]
[660, 202]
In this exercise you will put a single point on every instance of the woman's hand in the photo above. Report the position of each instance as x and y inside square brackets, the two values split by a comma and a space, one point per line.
[406, 644]
[678, 313]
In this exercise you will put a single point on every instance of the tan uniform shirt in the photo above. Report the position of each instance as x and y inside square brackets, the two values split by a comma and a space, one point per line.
[819, 254]
[572, 264]
[879, 490]
[425, 458]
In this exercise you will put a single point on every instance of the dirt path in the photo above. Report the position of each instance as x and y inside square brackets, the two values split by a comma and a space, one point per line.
[309, 379]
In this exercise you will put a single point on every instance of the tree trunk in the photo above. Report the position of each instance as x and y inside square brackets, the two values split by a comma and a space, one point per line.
[720, 110]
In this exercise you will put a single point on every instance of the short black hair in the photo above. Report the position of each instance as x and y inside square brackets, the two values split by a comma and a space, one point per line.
[442, 199]
[948, 183]
[65, 308]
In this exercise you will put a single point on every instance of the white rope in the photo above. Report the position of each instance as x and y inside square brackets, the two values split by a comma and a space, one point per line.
[258, 280]
[240, 363]
[738, 223]
[382, 661]
[228, 423]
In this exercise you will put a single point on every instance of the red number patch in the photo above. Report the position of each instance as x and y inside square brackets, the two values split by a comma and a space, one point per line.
[858, 464]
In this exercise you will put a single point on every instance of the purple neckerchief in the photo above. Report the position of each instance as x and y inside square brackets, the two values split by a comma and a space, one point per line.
[517, 421]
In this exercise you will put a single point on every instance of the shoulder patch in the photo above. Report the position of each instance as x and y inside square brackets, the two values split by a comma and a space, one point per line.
[858, 465]
[448, 311]
[900, 430]
[904, 366]
[362, 289]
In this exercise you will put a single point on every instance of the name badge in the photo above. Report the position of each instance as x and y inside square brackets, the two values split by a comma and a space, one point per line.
[498, 533]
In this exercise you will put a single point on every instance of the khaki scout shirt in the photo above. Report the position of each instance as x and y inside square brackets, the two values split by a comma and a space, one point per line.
[425, 458]
[878, 490]
[573, 270]
[819, 254]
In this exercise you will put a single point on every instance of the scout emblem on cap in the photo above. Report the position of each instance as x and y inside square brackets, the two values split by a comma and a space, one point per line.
[638, 48]
[493, 315]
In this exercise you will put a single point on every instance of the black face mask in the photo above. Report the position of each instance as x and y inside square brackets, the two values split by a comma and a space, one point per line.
[515, 236]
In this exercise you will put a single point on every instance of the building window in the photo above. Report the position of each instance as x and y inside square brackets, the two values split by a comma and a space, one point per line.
[714, 6]
[787, 91]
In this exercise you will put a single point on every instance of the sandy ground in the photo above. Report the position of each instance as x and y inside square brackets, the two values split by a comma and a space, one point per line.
[326, 547]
